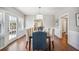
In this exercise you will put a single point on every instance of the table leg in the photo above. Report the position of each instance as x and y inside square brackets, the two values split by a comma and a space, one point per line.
[53, 44]
[49, 44]
[29, 43]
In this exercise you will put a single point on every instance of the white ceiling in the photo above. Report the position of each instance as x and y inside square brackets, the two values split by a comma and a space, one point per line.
[43, 10]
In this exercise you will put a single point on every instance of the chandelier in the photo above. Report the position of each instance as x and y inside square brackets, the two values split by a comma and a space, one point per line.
[39, 16]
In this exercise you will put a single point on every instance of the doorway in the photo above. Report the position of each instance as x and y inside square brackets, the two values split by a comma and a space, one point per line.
[64, 26]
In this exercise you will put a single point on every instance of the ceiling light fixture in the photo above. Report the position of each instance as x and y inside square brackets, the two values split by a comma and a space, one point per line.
[39, 16]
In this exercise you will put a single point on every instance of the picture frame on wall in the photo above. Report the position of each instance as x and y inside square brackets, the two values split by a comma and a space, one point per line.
[77, 19]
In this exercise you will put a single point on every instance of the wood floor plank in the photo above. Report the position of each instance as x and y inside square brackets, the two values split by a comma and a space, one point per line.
[20, 45]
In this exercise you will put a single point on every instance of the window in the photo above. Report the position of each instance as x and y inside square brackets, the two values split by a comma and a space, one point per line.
[12, 26]
[1, 30]
[15, 25]
[20, 25]
[1, 21]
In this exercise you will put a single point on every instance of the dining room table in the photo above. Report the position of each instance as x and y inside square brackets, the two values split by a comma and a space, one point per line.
[49, 39]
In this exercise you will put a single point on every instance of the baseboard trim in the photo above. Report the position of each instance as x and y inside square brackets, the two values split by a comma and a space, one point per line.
[67, 43]
[72, 47]
[57, 37]
[11, 43]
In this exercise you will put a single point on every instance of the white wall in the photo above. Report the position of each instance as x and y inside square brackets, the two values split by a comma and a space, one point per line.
[29, 21]
[73, 35]
[73, 39]
[14, 12]
[73, 30]
[48, 21]
[58, 32]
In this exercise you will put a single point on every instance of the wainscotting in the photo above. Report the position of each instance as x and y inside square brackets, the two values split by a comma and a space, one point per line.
[14, 39]
[73, 39]
[58, 32]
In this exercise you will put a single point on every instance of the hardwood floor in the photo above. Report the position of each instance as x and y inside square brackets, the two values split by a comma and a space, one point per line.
[62, 45]
[20, 45]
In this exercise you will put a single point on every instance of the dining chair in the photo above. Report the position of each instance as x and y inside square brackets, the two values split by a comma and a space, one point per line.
[39, 40]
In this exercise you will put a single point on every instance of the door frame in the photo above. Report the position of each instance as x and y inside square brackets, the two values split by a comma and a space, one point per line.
[67, 16]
